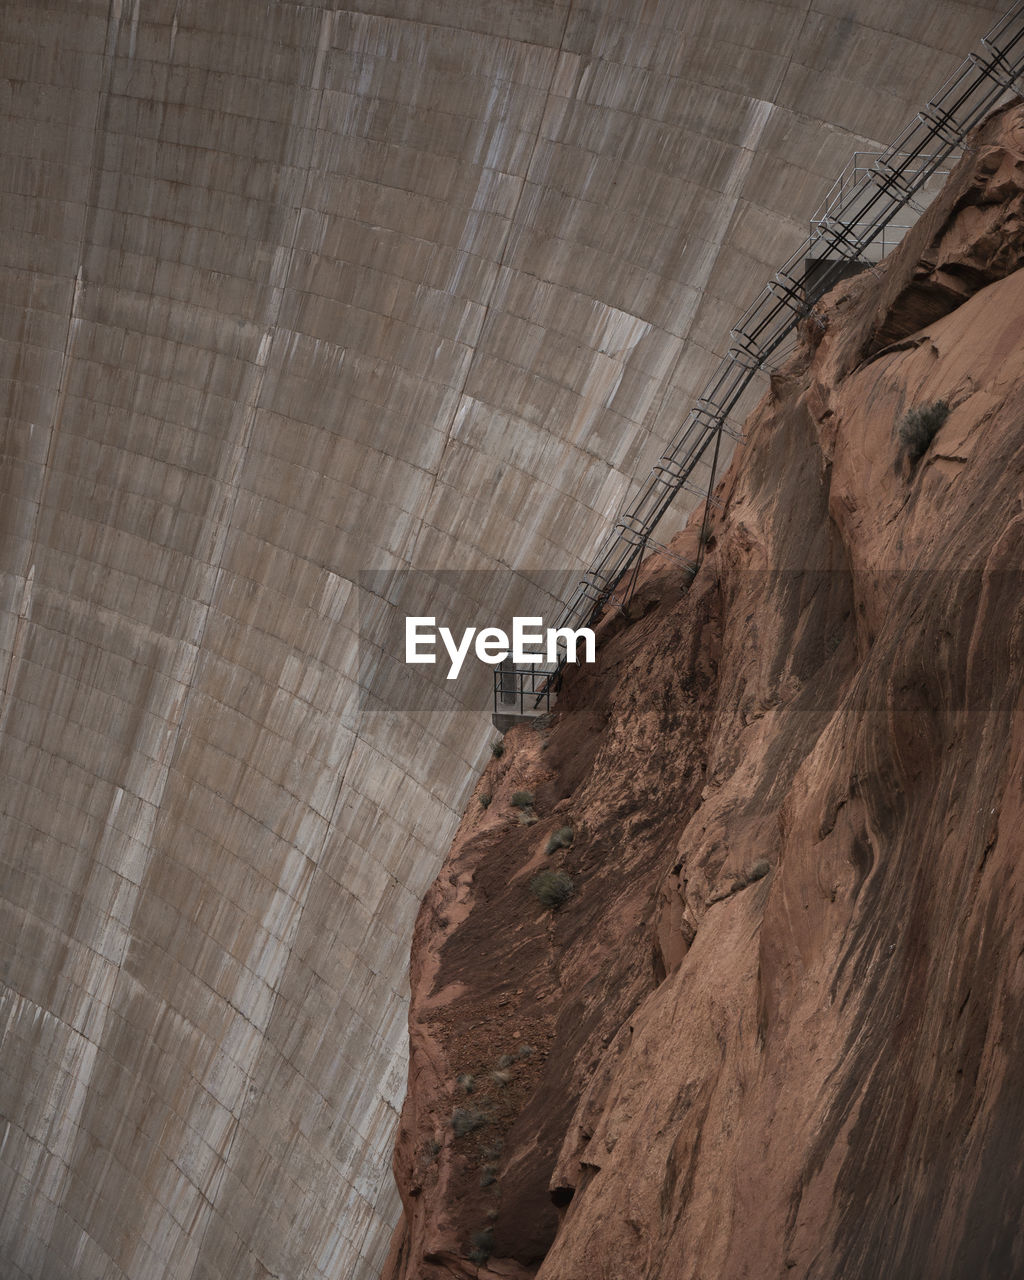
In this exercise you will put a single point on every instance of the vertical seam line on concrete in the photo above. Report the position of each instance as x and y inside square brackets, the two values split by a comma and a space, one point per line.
[114, 13]
[436, 474]
[252, 410]
[90, 204]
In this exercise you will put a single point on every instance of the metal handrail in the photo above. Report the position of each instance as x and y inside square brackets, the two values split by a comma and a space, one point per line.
[855, 212]
[870, 165]
[515, 687]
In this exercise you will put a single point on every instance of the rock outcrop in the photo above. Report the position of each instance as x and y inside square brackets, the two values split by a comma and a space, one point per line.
[776, 1027]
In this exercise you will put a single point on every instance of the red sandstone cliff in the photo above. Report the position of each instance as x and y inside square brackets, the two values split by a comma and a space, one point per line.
[777, 1028]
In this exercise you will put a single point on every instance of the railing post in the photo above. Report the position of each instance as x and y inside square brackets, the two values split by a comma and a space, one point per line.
[506, 675]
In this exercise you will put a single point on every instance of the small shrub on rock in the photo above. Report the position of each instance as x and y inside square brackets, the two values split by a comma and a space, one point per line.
[483, 1246]
[552, 888]
[918, 427]
[560, 839]
[522, 799]
[757, 872]
[497, 749]
[466, 1119]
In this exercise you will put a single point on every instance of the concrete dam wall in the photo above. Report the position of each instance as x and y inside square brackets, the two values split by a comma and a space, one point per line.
[292, 292]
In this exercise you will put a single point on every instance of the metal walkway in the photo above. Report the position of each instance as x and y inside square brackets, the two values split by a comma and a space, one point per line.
[864, 201]
[855, 214]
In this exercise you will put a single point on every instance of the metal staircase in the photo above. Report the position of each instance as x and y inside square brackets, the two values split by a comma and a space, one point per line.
[861, 208]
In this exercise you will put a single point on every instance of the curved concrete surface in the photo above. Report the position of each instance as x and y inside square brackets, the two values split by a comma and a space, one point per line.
[290, 292]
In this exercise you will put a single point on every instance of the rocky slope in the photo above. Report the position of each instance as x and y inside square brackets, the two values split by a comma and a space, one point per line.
[776, 1030]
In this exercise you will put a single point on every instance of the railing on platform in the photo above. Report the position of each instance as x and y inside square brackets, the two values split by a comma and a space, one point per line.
[524, 691]
[860, 169]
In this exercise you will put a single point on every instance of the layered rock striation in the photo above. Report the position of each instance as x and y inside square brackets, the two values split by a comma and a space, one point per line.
[776, 1027]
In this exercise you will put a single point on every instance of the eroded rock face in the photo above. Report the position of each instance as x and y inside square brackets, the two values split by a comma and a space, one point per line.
[777, 1027]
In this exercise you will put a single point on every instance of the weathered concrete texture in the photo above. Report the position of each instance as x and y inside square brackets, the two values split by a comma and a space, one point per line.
[288, 292]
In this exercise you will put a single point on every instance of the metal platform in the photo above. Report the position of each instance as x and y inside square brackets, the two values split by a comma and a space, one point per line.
[523, 694]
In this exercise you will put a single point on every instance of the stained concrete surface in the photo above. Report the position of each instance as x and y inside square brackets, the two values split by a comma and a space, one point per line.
[291, 292]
